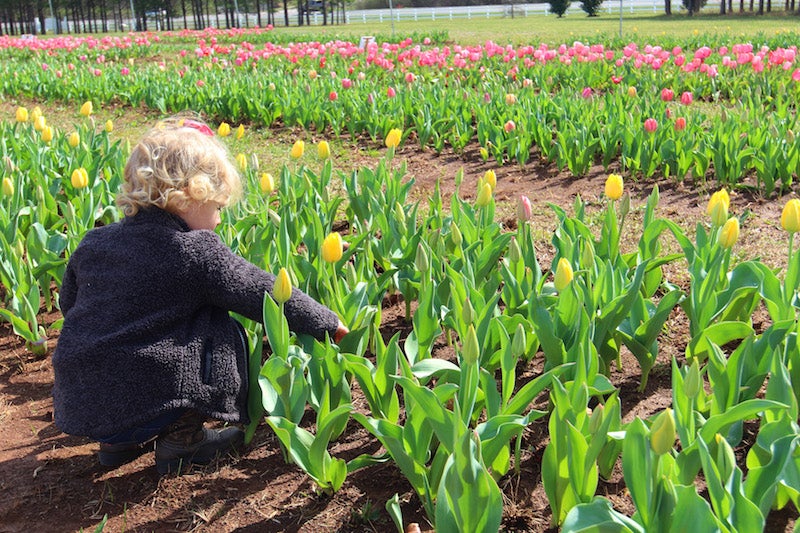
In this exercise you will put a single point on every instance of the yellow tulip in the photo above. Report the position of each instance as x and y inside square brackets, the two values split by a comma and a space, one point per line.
[790, 218]
[511, 99]
[282, 288]
[267, 183]
[87, 108]
[729, 233]
[240, 131]
[332, 248]
[298, 149]
[109, 126]
[323, 150]
[662, 433]
[22, 114]
[718, 206]
[241, 160]
[36, 113]
[614, 186]
[79, 178]
[491, 178]
[631, 91]
[74, 139]
[484, 195]
[393, 138]
[8, 186]
[39, 123]
[563, 275]
[484, 153]
[47, 134]
[224, 129]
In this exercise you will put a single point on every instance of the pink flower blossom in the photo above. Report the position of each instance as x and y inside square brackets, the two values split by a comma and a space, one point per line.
[390, 92]
[347, 83]
[200, 83]
[680, 124]
[125, 71]
[524, 210]
[333, 96]
[510, 126]
[687, 98]
[796, 75]
[667, 94]
[587, 92]
[650, 125]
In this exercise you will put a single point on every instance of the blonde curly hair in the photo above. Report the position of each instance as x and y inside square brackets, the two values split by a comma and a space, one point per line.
[178, 161]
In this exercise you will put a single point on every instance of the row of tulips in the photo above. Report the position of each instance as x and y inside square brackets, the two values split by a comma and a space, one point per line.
[573, 105]
[484, 290]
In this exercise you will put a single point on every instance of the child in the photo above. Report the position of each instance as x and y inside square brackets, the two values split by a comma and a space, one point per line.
[148, 350]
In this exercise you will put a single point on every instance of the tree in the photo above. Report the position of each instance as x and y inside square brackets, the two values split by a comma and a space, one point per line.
[559, 7]
[591, 7]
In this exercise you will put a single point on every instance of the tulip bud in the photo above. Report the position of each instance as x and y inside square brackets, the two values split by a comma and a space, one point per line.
[224, 129]
[468, 312]
[282, 288]
[267, 183]
[514, 251]
[79, 178]
[662, 433]
[323, 150]
[240, 131]
[470, 350]
[109, 126]
[790, 218]
[87, 108]
[631, 92]
[596, 420]
[241, 160]
[298, 148]
[484, 153]
[519, 343]
[563, 275]
[332, 248]
[511, 99]
[691, 383]
[399, 214]
[74, 139]
[393, 138]
[484, 195]
[47, 134]
[718, 207]
[22, 114]
[8, 187]
[421, 261]
[729, 233]
[491, 178]
[39, 123]
[9, 163]
[524, 209]
[614, 186]
[587, 255]
[455, 235]
[350, 274]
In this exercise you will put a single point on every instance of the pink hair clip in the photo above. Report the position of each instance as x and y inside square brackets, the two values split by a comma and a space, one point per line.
[199, 126]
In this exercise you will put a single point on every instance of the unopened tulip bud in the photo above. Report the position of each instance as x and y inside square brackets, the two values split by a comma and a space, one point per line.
[393, 138]
[282, 289]
[8, 187]
[790, 218]
[74, 139]
[564, 275]
[691, 383]
[596, 420]
[421, 261]
[718, 207]
[332, 247]
[455, 235]
[47, 134]
[267, 183]
[79, 178]
[39, 123]
[298, 148]
[22, 114]
[587, 255]
[350, 274]
[511, 99]
[468, 312]
[240, 131]
[662, 434]
[109, 126]
[241, 160]
[484, 153]
[484, 195]
[491, 178]
[514, 251]
[729, 233]
[224, 129]
[470, 351]
[87, 108]
[323, 150]
[519, 343]
[524, 209]
[399, 214]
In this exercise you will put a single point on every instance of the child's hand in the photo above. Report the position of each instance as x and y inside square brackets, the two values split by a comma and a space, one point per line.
[341, 331]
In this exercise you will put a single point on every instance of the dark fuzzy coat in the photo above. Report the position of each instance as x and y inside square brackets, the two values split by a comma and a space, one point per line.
[147, 329]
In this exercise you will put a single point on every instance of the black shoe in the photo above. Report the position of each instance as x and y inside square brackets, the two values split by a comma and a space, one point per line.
[175, 456]
[114, 455]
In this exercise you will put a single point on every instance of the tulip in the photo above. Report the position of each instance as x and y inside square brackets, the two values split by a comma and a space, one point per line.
[332, 248]
[298, 149]
[224, 129]
[47, 134]
[74, 139]
[455, 235]
[491, 178]
[87, 108]
[680, 124]
[650, 125]
[22, 114]
[586, 93]
[109, 126]
[8, 186]
[511, 99]
[631, 92]
[282, 288]
[687, 98]
[718, 207]
[470, 351]
[79, 178]
[667, 94]
[241, 160]
[312, 74]
[509, 126]
[390, 92]
[564, 275]
[323, 150]
[519, 343]
[333, 96]
[421, 261]
[484, 153]
[39, 123]
[484, 195]
[240, 131]
[393, 138]
[662, 433]
[524, 209]
[729, 233]
[267, 183]
[614, 186]
[790, 218]
[514, 251]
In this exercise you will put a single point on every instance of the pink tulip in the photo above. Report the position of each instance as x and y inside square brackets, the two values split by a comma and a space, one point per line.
[680, 124]
[796, 75]
[616, 80]
[390, 92]
[587, 92]
[347, 83]
[667, 94]
[687, 98]
[333, 96]
[410, 77]
[125, 71]
[650, 125]
[524, 209]
[510, 126]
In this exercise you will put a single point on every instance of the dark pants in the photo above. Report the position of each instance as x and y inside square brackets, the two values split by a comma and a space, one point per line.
[146, 431]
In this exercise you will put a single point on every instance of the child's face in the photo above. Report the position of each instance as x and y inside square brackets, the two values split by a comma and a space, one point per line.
[202, 215]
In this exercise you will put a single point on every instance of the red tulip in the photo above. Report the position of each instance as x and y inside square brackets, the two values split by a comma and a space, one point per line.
[333, 96]
[687, 98]
[667, 94]
[680, 124]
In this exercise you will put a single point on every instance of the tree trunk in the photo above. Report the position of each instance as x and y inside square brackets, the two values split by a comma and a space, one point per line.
[668, 7]
[285, 12]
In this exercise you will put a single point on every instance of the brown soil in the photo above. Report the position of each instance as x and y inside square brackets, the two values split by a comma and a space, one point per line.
[50, 481]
